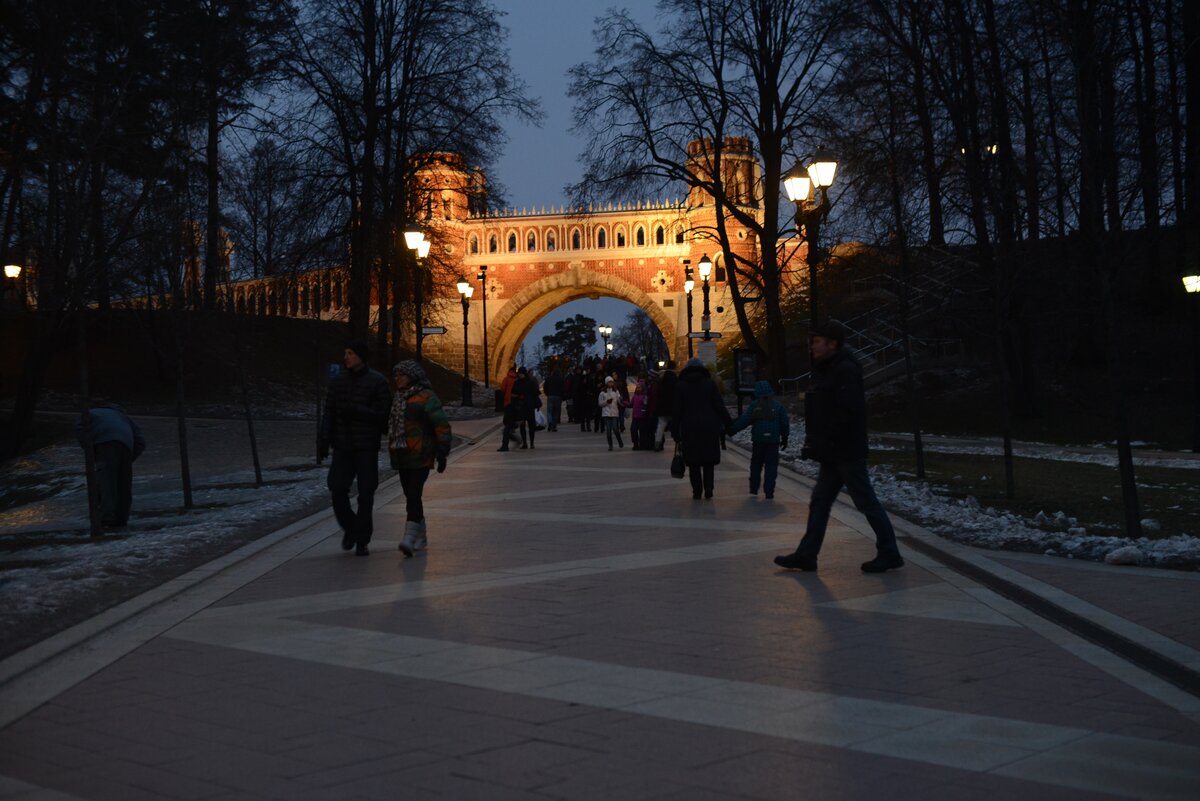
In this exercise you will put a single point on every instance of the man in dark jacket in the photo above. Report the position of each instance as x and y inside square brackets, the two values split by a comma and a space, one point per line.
[356, 415]
[698, 419]
[835, 413]
[116, 441]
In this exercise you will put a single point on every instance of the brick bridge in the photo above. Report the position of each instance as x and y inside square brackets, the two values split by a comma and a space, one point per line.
[538, 260]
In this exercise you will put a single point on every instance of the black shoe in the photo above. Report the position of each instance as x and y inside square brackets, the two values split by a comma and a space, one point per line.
[362, 550]
[794, 561]
[347, 541]
[502, 450]
[768, 496]
[695, 496]
[754, 492]
[708, 495]
[882, 563]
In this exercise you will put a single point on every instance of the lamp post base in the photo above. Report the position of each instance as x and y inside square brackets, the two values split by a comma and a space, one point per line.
[466, 393]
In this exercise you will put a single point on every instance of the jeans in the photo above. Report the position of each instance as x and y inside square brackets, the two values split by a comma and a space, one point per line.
[612, 425]
[660, 433]
[114, 479]
[344, 468]
[553, 411]
[830, 480]
[764, 462]
[412, 481]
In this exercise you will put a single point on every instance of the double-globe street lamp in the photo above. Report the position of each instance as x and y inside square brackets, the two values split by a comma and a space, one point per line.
[799, 183]
[605, 333]
[482, 279]
[416, 241]
[689, 284]
[466, 290]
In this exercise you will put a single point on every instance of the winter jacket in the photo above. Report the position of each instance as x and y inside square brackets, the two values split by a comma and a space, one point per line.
[664, 397]
[835, 411]
[610, 403]
[767, 416]
[699, 417]
[525, 397]
[418, 431]
[356, 411]
[108, 422]
[554, 386]
[641, 402]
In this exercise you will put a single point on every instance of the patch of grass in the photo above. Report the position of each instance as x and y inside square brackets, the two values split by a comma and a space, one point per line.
[1089, 492]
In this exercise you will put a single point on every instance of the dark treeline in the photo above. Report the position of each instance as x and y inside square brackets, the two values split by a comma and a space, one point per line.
[149, 147]
[983, 126]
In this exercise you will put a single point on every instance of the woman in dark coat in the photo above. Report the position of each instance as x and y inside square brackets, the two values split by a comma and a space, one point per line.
[698, 420]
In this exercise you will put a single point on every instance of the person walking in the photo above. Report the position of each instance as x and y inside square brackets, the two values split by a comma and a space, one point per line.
[638, 413]
[835, 412]
[510, 418]
[418, 439]
[585, 399]
[698, 421]
[356, 415]
[609, 401]
[116, 442]
[526, 399]
[768, 436]
[554, 389]
[664, 403]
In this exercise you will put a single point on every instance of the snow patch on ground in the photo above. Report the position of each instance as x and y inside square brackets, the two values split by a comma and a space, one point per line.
[964, 520]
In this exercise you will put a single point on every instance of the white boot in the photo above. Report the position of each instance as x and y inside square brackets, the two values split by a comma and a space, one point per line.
[412, 532]
[420, 542]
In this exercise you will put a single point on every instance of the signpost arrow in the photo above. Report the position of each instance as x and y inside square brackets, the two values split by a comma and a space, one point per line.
[433, 329]
[703, 335]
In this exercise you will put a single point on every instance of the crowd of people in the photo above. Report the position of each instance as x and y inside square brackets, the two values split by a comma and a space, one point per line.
[361, 409]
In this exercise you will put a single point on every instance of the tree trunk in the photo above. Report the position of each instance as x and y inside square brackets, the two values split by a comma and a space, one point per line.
[212, 250]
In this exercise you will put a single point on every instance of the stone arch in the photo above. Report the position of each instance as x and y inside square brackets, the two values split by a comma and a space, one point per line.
[512, 323]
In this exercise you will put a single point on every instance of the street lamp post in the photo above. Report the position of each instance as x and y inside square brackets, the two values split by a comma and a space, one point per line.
[415, 240]
[810, 213]
[688, 285]
[605, 333]
[466, 290]
[707, 349]
[482, 279]
[1191, 284]
[12, 272]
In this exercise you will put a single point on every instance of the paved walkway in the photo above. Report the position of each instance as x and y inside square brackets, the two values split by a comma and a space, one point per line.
[581, 628]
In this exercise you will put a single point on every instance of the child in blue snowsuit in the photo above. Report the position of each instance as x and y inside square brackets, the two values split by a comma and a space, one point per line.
[767, 436]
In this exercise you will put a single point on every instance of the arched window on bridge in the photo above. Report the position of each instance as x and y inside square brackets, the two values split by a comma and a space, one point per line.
[640, 237]
[551, 242]
[492, 246]
[679, 235]
[474, 244]
[620, 237]
[601, 238]
[512, 243]
[660, 236]
[576, 240]
[531, 242]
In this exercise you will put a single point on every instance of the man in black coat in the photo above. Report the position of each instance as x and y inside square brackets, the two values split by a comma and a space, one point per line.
[357, 405]
[835, 413]
[698, 419]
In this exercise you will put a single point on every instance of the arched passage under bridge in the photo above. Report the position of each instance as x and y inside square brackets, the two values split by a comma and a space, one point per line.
[518, 316]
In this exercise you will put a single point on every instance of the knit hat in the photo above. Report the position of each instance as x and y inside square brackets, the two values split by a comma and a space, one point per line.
[830, 329]
[762, 389]
[414, 371]
[360, 347]
[693, 362]
[608, 380]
